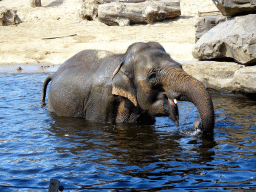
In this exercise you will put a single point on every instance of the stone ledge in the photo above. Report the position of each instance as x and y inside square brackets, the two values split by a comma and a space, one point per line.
[223, 76]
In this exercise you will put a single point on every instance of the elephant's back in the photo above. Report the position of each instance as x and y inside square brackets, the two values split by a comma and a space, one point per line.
[89, 62]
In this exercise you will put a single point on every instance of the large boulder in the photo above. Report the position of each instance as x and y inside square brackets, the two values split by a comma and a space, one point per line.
[235, 7]
[119, 13]
[204, 24]
[214, 75]
[235, 38]
[8, 17]
[223, 76]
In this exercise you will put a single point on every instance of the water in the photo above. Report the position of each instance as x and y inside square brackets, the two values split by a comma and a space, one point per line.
[36, 146]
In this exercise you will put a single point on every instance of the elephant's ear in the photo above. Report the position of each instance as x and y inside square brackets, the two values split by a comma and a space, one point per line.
[122, 83]
[123, 86]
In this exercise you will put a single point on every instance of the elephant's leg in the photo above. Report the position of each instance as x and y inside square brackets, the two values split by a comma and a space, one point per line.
[127, 112]
[123, 112]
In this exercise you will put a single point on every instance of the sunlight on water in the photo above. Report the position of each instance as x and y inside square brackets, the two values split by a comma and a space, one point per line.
[36, 146]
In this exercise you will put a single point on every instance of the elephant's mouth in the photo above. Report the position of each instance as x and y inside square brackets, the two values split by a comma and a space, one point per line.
[165, 106]
[173, 100]
[174, 113]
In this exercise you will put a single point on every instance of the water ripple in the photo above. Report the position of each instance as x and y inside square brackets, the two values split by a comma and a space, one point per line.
[36, 146]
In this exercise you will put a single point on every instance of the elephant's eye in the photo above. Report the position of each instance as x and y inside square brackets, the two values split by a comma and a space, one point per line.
[152, 75]
[153, 78]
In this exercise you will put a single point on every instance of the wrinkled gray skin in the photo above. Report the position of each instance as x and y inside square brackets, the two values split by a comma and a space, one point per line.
[136, 86]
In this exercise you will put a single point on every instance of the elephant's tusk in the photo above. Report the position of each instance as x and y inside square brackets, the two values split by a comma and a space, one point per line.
[173, 102]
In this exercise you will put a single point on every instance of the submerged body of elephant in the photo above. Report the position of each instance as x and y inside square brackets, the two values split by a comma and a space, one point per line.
[144, 82]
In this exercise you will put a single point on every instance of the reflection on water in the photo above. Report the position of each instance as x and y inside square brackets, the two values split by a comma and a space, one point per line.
[36, 146]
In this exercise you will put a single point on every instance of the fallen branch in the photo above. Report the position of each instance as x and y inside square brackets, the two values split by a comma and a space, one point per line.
[118, 13]
[59, 36]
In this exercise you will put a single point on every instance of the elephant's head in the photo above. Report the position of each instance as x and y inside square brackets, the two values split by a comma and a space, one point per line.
[151, 79]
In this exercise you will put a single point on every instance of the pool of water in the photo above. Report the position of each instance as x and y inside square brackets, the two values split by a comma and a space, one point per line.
[36, 146]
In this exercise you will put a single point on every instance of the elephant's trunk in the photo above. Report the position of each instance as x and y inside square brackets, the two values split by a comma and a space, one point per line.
[179, 85]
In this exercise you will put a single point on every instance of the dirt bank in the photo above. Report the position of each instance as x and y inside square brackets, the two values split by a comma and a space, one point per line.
[54, 32]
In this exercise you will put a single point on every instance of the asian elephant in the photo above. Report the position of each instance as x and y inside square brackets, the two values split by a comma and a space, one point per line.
[136, 86]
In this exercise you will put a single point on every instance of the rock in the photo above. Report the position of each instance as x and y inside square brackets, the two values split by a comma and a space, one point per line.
[117, 13]
[223, 76]
[235, 38]
[35, 3]
[235, 7]
[204, 24]
[89, 9]
[8, 17]
[245, 79]
[214, 75]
